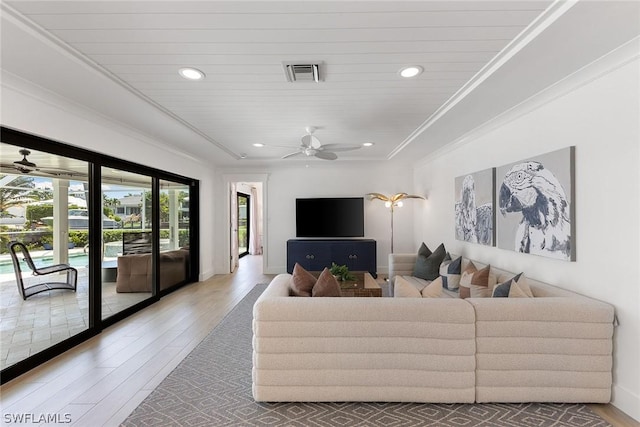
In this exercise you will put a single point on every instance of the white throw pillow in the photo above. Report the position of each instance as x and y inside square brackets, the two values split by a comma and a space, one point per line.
[520, 288]
[403, 289]
[433, 289]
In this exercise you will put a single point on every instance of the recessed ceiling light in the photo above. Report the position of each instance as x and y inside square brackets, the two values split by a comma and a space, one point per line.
[191, 73]
[367, 144]
[412, 71]
[258, 144]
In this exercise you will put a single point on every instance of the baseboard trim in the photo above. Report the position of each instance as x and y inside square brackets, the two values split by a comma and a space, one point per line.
[626, 401]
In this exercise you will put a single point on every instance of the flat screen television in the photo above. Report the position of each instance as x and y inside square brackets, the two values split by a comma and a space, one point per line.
[330, 217]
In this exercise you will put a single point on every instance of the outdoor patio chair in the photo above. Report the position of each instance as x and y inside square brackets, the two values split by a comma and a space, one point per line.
[70, 284]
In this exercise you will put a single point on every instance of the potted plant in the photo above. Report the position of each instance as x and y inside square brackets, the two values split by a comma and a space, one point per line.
[341, 272]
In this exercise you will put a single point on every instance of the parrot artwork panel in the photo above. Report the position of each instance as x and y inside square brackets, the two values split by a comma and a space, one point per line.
[535, 204]
[474, 207]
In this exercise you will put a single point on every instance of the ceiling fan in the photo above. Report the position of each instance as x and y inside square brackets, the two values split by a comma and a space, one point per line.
[310, 146]
[26, 166]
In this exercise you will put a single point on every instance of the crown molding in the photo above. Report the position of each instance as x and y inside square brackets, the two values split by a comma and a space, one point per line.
[608, 63]
[28, 89]
[60, 46]
[542, 22]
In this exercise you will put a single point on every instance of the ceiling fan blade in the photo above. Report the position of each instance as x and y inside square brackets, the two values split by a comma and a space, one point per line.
[59, 172]
[341, 147]
[326, 155]
[286, 156]
[23, 169]
[10, 168]
[283, 146]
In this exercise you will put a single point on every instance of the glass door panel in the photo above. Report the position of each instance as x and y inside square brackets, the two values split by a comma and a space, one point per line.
[40, 195]
[127, 240]
[174, 234]
[243, 224]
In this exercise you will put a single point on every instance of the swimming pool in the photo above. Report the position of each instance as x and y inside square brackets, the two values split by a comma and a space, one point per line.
[80, 260]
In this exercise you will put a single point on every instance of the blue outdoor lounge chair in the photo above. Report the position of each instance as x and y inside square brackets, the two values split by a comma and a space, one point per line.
[70, 284]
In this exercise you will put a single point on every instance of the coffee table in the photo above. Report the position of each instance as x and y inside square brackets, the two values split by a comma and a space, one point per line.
[364, 286]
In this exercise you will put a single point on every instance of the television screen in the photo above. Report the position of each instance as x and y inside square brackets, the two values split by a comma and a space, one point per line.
[330, 217]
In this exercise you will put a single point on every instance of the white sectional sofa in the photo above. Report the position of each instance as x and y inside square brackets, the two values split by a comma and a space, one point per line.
[556, 347]
[361, 349]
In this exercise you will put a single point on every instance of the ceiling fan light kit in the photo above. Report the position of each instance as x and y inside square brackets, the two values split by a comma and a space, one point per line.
[311, 146]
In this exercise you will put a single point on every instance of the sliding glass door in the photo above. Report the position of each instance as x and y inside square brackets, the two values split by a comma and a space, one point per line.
[43, 205]
[175, 219]
[127, 240]
[125, 233]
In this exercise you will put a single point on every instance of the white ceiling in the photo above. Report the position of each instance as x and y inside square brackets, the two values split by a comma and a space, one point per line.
[480, 59]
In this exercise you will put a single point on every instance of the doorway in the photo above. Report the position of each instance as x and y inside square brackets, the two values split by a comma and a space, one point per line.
[244, 224]
[246, 229]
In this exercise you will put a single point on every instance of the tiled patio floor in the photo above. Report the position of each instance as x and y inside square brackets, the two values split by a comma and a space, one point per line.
[27, 327]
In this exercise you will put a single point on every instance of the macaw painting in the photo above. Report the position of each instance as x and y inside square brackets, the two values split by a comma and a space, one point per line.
[474, 212]
[535, 199]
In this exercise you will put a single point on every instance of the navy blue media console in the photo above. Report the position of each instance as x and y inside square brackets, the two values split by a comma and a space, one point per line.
[316, 254]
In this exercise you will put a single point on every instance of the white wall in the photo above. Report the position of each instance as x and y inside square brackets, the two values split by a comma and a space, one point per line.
[598, 112]
[33, 110]
[324, 179]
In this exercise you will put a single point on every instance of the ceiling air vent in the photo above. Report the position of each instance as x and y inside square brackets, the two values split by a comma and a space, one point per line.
[302, 72]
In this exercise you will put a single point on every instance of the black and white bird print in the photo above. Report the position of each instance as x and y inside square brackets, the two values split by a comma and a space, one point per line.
[534, 192]
[473, 223]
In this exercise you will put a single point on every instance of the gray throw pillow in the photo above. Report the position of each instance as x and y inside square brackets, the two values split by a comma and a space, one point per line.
[423, 252]
[428, 267]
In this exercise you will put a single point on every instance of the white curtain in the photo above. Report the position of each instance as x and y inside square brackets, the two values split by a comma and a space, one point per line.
[255, 236]
[233, 203]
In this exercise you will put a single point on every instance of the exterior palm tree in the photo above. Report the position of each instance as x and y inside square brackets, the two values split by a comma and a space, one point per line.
[15, 191]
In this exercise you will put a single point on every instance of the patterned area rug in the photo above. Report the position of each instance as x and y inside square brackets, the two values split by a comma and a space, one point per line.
[212, 387]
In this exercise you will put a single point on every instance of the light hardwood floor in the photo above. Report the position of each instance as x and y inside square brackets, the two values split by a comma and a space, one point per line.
[100, 382]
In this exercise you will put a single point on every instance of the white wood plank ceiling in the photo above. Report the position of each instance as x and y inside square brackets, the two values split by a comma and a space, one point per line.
[241, 46]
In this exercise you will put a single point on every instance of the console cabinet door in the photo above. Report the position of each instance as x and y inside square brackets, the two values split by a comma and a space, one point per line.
[309, 254]
[356, 255]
